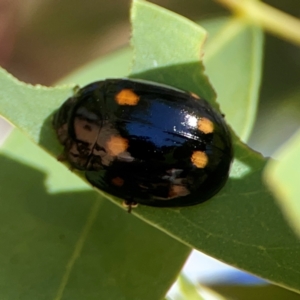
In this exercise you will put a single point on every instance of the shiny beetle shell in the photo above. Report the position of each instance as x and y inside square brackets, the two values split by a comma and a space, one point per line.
[145, 143]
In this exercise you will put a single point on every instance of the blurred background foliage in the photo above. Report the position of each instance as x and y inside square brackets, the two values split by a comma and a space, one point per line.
[43, 41]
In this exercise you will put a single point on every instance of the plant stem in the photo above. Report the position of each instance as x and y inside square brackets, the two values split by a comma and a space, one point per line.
[270, 18]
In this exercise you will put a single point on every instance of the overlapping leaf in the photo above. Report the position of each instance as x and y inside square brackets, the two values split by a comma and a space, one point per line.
[241, 225]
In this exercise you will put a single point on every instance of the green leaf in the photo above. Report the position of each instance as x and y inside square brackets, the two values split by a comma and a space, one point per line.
[114, 65]
[72, 243]
[27, 106]
[233, 61]
[242, 224]
[157, 21]
[250, 292]
[167, 49]
[278, 121]
[282, 176]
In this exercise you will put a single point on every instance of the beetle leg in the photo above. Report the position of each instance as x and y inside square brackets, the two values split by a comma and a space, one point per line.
[62, 157]
[129, 204]
[76, 89]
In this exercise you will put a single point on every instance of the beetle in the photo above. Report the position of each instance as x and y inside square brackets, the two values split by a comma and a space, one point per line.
[146, 143]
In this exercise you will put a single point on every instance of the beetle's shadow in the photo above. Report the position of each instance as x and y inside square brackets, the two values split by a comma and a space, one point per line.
[48, 139]
[39, 231]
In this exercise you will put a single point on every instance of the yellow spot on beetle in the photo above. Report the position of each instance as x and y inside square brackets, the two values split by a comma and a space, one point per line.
[195, 95]
[127, 97]
[199, 159]
[205, 125]
[116, 145]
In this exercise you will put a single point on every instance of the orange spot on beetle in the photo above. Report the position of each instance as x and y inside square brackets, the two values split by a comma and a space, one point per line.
[199, 159]
[127, 97]
[178, 191]
[117, 181]
[205, 125]
[116, 145]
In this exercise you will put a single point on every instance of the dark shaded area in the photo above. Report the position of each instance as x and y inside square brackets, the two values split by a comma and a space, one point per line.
[39, 232]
